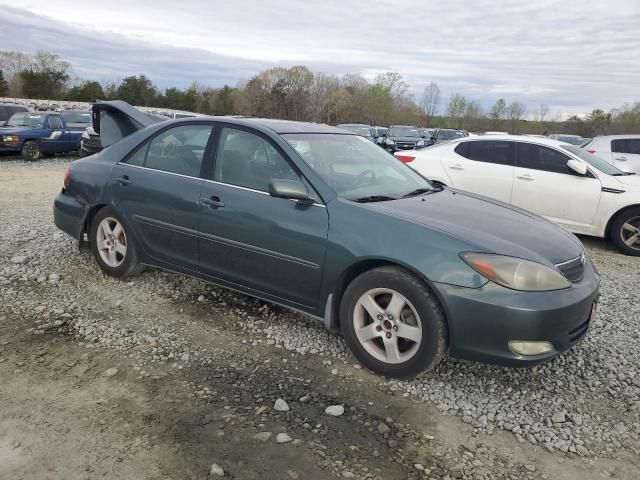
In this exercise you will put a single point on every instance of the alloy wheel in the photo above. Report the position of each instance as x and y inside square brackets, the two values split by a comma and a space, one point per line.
[111, 241]
[387, 325]
[630, 233]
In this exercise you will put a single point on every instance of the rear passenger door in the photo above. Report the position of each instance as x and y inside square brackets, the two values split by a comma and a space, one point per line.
[626, 154]
[157, 187]
[543, 184]
[482, 166]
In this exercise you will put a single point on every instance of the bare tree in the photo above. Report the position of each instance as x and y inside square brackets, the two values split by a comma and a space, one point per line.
[456, 109]
[541, 114]
[515, 112]
[431, 101]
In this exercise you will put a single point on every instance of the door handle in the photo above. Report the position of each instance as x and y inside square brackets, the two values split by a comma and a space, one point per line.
[124, 180]
[212, 202]
[456, 167]
[622, 159]
[525, 177]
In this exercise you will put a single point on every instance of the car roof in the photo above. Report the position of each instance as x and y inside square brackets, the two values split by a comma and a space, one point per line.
[613, 137]
[521, 138]
[278, 126]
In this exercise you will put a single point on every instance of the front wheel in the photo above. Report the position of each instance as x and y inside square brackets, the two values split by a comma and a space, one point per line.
[112, 245]
[393, 323]
[625, 232]
[31, 151]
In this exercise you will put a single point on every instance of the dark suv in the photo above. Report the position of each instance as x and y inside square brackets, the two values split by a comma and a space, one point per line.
[403, 137]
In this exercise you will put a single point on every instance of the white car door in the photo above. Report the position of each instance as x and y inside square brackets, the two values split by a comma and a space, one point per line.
[543, 184]
[481, 166]
[626, 154]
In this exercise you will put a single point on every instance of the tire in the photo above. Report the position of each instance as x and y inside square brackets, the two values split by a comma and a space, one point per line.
[107, 241]
[379, 344]
[626, 228]
[31, 151]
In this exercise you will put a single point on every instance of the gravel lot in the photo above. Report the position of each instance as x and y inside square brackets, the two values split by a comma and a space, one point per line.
[164, 375]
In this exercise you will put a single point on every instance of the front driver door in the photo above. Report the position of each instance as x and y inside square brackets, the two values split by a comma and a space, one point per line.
[158, 189]
[273, 246]
[543, 184]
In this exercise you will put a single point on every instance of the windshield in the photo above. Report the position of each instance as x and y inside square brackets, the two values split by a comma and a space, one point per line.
[357, 129]
[83, 118]
[571, 139]
[25, 120]
[403, 132]
[450, 134]
[593, 160]
[355, 168]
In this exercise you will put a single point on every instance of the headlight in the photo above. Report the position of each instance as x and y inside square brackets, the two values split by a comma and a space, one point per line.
[388, 141]
[516, 273]
[420, 143]
[10, 138]
[85, 134]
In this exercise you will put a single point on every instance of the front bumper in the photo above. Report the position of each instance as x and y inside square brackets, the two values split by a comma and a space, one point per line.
[10, 147]
[483, 320]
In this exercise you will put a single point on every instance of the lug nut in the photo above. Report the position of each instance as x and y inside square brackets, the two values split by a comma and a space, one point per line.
[390, 317]
[395, 327]
[378, 328]
[388, 334]
[380, 317]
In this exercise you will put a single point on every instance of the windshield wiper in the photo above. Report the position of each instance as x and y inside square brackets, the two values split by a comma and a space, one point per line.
[623, 174]
[374, 198]
[419, 191]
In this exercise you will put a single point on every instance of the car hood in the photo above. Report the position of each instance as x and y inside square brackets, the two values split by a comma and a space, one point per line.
[405, 139]
[14, 130]
[487, 225]
[631, 180]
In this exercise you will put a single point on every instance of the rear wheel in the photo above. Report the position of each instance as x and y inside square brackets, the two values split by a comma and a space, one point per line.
[625, 231]
[112, 246]
[31, 151]
[393, 323]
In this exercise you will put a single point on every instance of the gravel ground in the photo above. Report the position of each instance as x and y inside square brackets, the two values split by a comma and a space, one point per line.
[578, 415]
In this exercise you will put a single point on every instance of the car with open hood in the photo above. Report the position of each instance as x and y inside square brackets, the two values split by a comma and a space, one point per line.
[323, 221]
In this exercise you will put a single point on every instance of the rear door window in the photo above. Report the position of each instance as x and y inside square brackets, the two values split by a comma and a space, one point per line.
[539, 157]
[490, 151]
[633, 146]
[618, 146]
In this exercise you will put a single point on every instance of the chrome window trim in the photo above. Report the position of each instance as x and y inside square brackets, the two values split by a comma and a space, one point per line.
[212, 181]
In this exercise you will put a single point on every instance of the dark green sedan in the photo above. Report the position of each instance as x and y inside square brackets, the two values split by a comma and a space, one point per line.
[323, 221]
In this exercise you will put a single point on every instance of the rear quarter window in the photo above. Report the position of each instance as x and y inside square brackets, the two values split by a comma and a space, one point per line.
[618, 145]
[462, 149]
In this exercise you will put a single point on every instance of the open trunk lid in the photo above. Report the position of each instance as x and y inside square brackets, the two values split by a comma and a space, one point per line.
[114, 120]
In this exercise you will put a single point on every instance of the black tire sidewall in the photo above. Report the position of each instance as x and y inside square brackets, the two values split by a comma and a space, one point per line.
[26, 156]
[616, 228]
[432, 320]
[130, 264]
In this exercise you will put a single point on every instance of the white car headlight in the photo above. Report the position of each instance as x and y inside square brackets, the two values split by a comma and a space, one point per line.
[388, 141]
[420, 143]
[516, 273]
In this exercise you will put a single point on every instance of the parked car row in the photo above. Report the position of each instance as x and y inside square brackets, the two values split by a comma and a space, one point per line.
[321, 220]
[564, 183]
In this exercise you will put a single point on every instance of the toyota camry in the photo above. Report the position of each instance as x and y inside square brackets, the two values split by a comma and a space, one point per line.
[323, 221]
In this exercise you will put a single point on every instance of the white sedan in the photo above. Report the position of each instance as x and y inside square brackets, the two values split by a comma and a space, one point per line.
[561, 182]
[623, 151]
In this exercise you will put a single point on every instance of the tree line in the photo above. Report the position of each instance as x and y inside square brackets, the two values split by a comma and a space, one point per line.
[297, 93]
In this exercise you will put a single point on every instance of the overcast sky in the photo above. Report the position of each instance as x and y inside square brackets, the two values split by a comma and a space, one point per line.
[573, 56]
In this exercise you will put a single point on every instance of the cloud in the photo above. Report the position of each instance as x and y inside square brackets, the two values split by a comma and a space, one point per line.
[571, 57]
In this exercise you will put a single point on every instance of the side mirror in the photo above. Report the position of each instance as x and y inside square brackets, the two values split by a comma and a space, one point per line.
[290, 189]
[577, 167]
